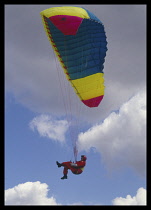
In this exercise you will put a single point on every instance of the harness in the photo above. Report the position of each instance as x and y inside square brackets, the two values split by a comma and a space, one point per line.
[77, 171]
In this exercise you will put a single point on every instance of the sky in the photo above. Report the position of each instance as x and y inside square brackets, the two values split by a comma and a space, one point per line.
[43, 116]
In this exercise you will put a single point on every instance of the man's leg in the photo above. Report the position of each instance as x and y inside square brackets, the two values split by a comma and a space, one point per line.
[66, 165]
[65, 172]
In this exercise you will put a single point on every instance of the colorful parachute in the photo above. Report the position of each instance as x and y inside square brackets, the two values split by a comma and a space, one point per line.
[79, 41]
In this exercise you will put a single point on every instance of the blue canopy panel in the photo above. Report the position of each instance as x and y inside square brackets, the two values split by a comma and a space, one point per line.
[83, 54]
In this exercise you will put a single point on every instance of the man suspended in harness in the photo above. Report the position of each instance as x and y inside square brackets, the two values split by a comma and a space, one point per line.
[76, 168]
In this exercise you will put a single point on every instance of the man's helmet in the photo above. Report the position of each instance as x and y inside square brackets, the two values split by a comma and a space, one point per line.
[83, 157]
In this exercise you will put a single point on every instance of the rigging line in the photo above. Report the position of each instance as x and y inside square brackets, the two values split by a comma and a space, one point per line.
[76, 109]
[69, 86]
[83, 64]
[73, 111]
[78, 102]
[61, 86]
[68, 92]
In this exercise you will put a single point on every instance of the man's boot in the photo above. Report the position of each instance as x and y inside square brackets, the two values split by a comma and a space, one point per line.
[58, 164]
[64, 177]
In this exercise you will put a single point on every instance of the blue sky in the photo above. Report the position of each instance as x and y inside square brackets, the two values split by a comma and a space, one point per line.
[36, 124]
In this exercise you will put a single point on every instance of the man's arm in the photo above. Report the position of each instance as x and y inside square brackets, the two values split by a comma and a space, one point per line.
[78, 164]
[74, 165]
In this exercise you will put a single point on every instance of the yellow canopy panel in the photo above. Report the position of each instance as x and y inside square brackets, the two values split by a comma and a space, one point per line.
[89, 87]
[72, 11]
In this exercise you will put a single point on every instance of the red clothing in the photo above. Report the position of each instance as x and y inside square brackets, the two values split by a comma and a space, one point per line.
[78, 169]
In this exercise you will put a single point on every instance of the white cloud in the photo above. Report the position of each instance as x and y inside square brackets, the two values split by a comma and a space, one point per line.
[50, 128]
[139, 199]
[29, 193]
[36, 193]
[121, 137]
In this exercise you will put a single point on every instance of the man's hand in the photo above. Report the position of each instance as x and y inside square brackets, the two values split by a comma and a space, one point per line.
[74, 164]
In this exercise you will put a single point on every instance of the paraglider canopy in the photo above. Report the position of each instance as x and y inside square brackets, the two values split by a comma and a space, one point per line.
[79, 41]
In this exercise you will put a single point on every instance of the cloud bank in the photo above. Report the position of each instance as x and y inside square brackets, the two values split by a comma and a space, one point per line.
[121, 137]
[29, 193]
[50, 128]
[36, 193]
[30, 67]
[139, 199]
